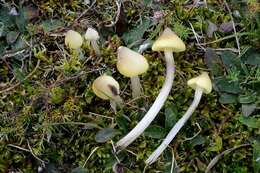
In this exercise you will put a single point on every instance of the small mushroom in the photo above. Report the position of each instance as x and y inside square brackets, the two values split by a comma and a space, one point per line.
[131, 64]
[201, 84]
[168, 42]
[92, 36]
[107, 88]
[73, 39]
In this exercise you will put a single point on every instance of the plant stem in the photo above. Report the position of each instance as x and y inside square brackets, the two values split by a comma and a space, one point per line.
[95, 47]
[136, 87]
[158, 103]
[153, 157]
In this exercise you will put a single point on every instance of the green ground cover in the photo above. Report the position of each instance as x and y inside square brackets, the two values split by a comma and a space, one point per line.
[51, 121]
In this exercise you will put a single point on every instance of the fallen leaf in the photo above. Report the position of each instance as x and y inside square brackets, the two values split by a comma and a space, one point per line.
[212, 27]
[226, 27]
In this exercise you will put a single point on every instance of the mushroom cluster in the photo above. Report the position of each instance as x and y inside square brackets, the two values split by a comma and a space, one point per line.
[132, 64]
[168, 42]
[201, 84]
[74, 40]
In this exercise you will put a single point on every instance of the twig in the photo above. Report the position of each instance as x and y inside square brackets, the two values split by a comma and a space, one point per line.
[60, 82]
[194, 136]
[118, 4]
[66, 123]
[11, 54]
[229, 37]
[42, 161]
[229, 49]
[216, 159]
[91, 153]
[18, 147]
[196, 37]
[234, 27]
[173, 162]
[99, 115]
[114, 151]
[84, 12]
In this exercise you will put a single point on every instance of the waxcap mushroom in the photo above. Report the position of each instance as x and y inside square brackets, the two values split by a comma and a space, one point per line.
[91, 34]
[203, 81]
[73, 39]
[106, 87]
[130, 63]
[168, 41]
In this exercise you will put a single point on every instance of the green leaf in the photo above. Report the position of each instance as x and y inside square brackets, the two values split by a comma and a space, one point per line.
[198, 140]
[147, 2]
[21, 21]
[171, 114]
[213, 62]
[51, 25]
[11, 37]
[19, 75]
[6, 21]
[137, 33]
[250, 122]
[105, 135]
[155, 132]
[226, 98]
[122, 123]
[230, 60]
[226, 85]
[256, 156]
[248, 109]
[245, 99]
[79, 170]
[251, 57]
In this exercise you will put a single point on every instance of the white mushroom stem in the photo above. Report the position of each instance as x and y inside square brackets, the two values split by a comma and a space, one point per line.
[153, 157]
[153, 111]
[136, 87]
[95, 47]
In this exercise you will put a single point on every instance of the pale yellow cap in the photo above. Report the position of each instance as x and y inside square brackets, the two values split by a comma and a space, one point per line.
[130, 63]
[203, 81]
[73, 39]
[106, 87]
[168, 41]
[91, 34]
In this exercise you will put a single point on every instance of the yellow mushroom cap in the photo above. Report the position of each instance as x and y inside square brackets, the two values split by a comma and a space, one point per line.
[73, 39]
[130, 63]
[168, 41]
[203, 81]
[106, 87]
[91, 34]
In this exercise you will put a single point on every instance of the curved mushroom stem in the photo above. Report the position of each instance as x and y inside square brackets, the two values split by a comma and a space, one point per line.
[158, 103]
[116, 102]
[153, 157]
[95, 47]
[136, 87]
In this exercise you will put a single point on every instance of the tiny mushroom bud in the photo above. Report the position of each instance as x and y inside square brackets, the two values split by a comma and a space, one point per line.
[92, 36]
[107, 88]
[73, 39]
[201, 84]
[168, 42]
[131, 64]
